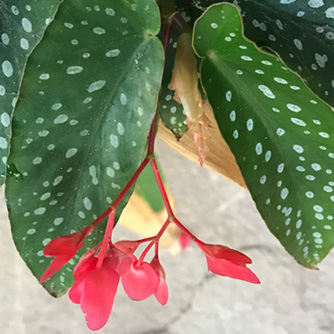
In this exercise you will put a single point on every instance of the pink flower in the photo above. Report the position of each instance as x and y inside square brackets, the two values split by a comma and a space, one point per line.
[141, 280]
[225, 261]
[63, 249]
[161, 293]
[120, 261]
[95, 289]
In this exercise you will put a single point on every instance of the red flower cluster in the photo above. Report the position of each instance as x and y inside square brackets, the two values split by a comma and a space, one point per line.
[100, 270]
[96, 281]
[95, 286]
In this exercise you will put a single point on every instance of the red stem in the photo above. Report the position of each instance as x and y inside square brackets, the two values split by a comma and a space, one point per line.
[161, 188]
[142, 257]
[106, 239]
[162, 230]
[156, 251]
[122, 194]
[154, 241]
[130, 183]
[184, 229]
[145, 240]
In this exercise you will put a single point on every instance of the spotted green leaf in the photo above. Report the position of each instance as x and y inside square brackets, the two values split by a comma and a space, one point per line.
[81, 123]
[22, 25]
[301, 32]
[170, 111]
[280, 133]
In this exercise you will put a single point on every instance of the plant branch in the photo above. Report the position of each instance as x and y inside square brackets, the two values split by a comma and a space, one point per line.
[184, 229]
[154, 241]
[161, 188]
[106, 239]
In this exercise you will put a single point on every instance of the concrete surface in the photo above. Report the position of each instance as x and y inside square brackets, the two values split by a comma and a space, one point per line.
[290, 300]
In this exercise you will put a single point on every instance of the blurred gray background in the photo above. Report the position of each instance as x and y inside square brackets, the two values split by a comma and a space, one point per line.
[290, 300]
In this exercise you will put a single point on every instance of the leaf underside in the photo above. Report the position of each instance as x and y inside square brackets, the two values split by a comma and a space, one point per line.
[81, 123]
[300, 32]
[280, 133]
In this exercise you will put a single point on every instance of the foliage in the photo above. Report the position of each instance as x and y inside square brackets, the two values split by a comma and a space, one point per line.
[79, 91]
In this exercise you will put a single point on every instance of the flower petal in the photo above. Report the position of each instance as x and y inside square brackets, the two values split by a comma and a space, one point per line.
[140, 282]
[61, 246]
[225, 253]
[230, 269]
[118, 260]
[58, 262]
[98, 296]
[161, 294]
[84, 267]
[67, 244]
[127, 246]
[76, 291]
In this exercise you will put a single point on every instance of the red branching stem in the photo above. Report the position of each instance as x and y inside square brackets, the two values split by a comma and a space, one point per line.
[99, 219]
[162, 230]
[161, 188]
[141, 241]
[130, 183]
[154, 241]
[106, 239]
[122, 194]
[166, 35]
[184, 229]
[146, 250]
